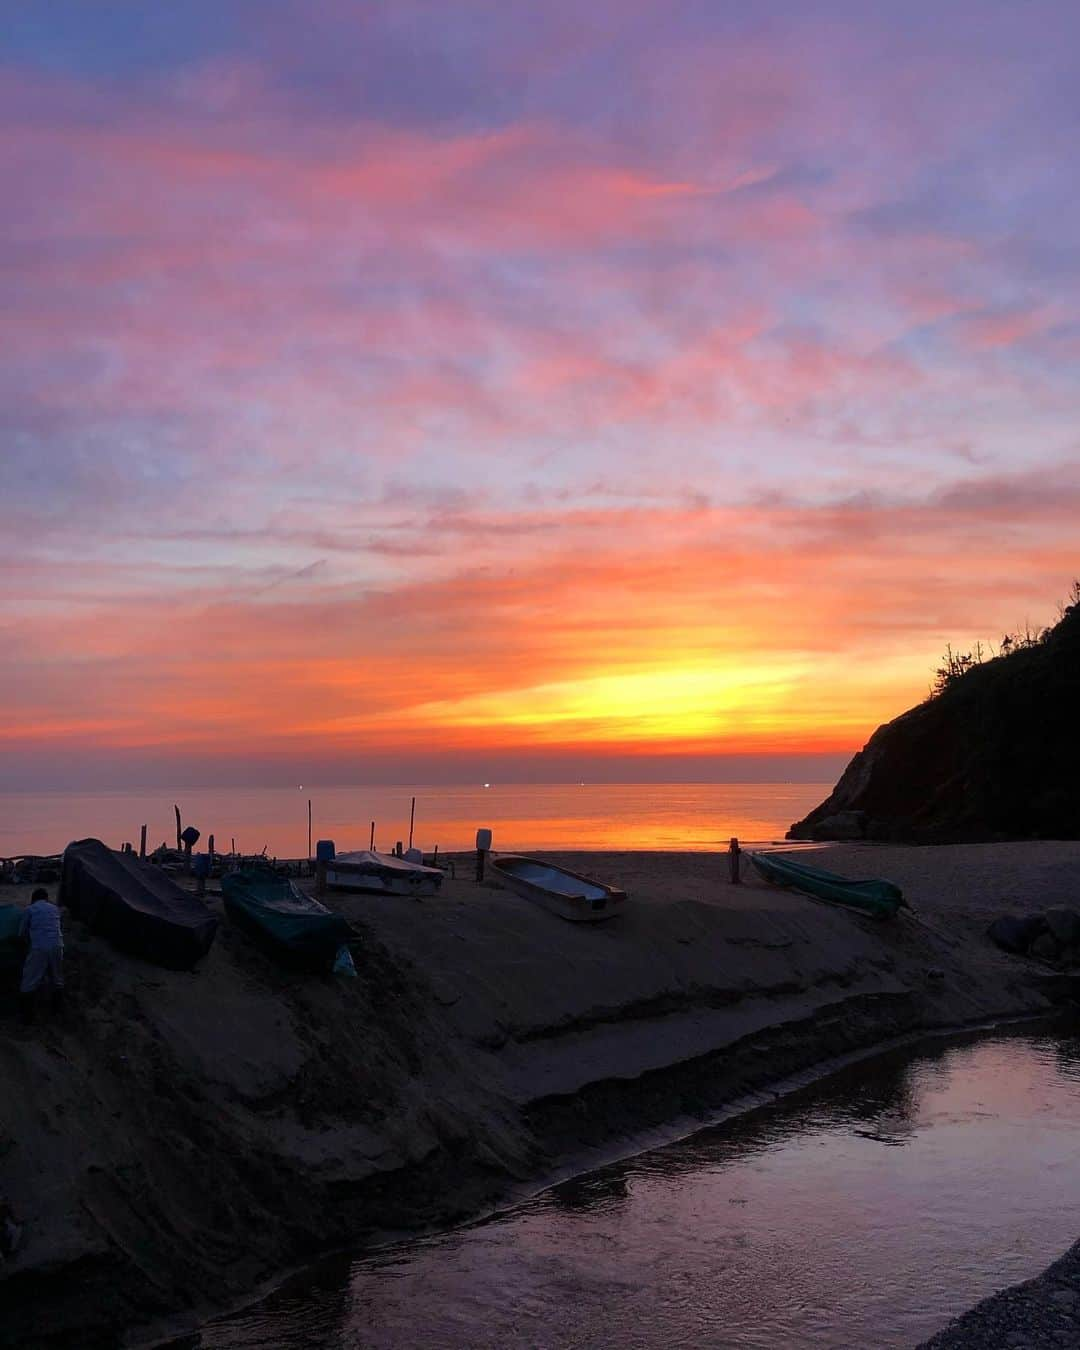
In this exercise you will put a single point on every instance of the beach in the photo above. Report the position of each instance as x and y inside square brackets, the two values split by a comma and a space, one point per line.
[178, 1140]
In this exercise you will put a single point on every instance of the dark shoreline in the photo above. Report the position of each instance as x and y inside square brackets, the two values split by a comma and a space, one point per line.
[1039, 1314]
[488, 1051]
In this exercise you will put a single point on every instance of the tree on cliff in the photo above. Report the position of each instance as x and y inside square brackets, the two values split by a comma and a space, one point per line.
[992, 755]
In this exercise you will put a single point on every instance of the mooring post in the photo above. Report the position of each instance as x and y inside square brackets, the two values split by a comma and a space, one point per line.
[142, 843]
[483, 847]
[734, 854]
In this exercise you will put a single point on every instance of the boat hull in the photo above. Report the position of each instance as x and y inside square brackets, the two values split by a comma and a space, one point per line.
[381, 873]
[876, 898]
[558, 890]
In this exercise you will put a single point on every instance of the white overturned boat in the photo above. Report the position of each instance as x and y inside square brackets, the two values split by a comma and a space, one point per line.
[367, 870]
[557, 889]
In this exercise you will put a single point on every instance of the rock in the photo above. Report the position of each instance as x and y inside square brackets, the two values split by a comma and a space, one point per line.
[1015, 934]
[1064, 923]
[842, 825]
[990, 757]
[1065, 1298]
[1046, 947]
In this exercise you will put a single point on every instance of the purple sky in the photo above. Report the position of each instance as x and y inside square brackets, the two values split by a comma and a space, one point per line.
[580, 382]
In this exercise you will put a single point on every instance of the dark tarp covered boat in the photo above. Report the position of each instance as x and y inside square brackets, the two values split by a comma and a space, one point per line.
[879, 899]
[135, 905]
[12, 946]
[292, 927]
[557, 889]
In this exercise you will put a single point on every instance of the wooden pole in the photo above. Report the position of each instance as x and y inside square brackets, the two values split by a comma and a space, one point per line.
[232, 845]
[142, 842]
[734, 854]
[309, 829]
[372, 844]
[210, 848]
[179, 841]
[412, 820]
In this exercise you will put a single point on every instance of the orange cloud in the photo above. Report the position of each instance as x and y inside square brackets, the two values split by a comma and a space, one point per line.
[711, 630]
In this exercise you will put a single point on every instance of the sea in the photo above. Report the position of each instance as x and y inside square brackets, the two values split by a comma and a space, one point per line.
[521, 816]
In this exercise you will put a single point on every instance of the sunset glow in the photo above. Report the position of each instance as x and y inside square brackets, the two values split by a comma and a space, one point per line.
[413, 391]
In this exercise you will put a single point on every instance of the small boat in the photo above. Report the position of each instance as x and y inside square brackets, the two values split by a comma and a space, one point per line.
[879, 899]
[135, 906]
[292, 927]
[366, 870]
[557, 889]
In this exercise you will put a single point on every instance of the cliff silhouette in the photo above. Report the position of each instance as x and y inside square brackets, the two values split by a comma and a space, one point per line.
[994, 755]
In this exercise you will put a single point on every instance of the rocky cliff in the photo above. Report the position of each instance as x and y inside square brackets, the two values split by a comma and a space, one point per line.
[995, 755]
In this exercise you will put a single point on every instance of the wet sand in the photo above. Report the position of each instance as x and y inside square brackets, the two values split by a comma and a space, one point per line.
[178, 1139]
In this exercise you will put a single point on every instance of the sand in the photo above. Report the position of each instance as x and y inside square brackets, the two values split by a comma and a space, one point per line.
[176, 1140]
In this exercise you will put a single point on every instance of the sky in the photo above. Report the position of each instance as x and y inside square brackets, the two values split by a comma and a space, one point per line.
[425, 392]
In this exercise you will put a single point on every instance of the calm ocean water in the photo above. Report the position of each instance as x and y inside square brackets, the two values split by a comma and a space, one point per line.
[520, 816]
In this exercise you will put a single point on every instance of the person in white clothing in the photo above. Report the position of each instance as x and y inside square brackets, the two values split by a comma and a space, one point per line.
[45, 959]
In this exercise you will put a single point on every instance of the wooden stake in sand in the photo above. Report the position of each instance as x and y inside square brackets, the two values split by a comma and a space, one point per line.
[179, 841]
[372, 844]
[142, 842]
[733, 861]
[309, 829]
[412, 820]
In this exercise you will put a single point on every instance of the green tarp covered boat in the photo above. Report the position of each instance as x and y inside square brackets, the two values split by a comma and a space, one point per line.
[292, 927]
[879, 899]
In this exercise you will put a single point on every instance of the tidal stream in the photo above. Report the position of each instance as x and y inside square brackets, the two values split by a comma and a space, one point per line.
[864, 1211]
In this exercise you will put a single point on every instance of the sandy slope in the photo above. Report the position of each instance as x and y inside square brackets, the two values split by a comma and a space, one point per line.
[179, 1138]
